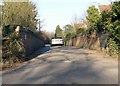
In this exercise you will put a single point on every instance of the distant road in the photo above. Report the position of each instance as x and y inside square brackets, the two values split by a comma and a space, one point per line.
[64, 65]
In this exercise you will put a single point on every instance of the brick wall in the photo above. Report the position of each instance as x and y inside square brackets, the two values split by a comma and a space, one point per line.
[83, 41]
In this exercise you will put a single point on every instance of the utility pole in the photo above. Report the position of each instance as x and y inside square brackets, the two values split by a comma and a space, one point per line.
[39, 24]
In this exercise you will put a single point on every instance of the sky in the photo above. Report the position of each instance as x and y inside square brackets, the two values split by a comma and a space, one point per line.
[62, 12]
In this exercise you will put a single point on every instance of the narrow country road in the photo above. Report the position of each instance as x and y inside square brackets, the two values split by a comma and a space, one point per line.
[64, 65]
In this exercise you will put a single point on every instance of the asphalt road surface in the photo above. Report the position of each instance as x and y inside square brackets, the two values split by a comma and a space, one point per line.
[64, 65]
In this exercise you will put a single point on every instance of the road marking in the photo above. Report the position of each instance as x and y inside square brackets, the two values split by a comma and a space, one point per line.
[67, 61]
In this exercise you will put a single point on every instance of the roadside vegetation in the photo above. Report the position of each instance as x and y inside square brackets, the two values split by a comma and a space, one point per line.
[102, 23]
[13, 14]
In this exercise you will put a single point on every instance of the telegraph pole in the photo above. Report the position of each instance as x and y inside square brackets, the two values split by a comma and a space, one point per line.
[39, 24]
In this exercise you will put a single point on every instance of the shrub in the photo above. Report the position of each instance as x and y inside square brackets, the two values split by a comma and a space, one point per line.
[112, 47]
[13, 50]
[68, 36]
[80, 31]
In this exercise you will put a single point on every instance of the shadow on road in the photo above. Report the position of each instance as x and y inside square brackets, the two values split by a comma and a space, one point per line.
[40, 51]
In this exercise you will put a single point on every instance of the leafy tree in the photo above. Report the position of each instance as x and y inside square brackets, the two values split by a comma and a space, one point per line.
[104, 24]
[80, 31]
[19, 13]
[116, 11]
[93, 17]
[0, 14]
[68, 35]
[109, 24]
[58, 31]
[116, 22]
[68, 28]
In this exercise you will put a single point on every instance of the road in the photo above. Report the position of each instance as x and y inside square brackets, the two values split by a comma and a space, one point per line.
[64, 65]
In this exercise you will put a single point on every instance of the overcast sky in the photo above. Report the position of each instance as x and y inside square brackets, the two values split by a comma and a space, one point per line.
[62, 12]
